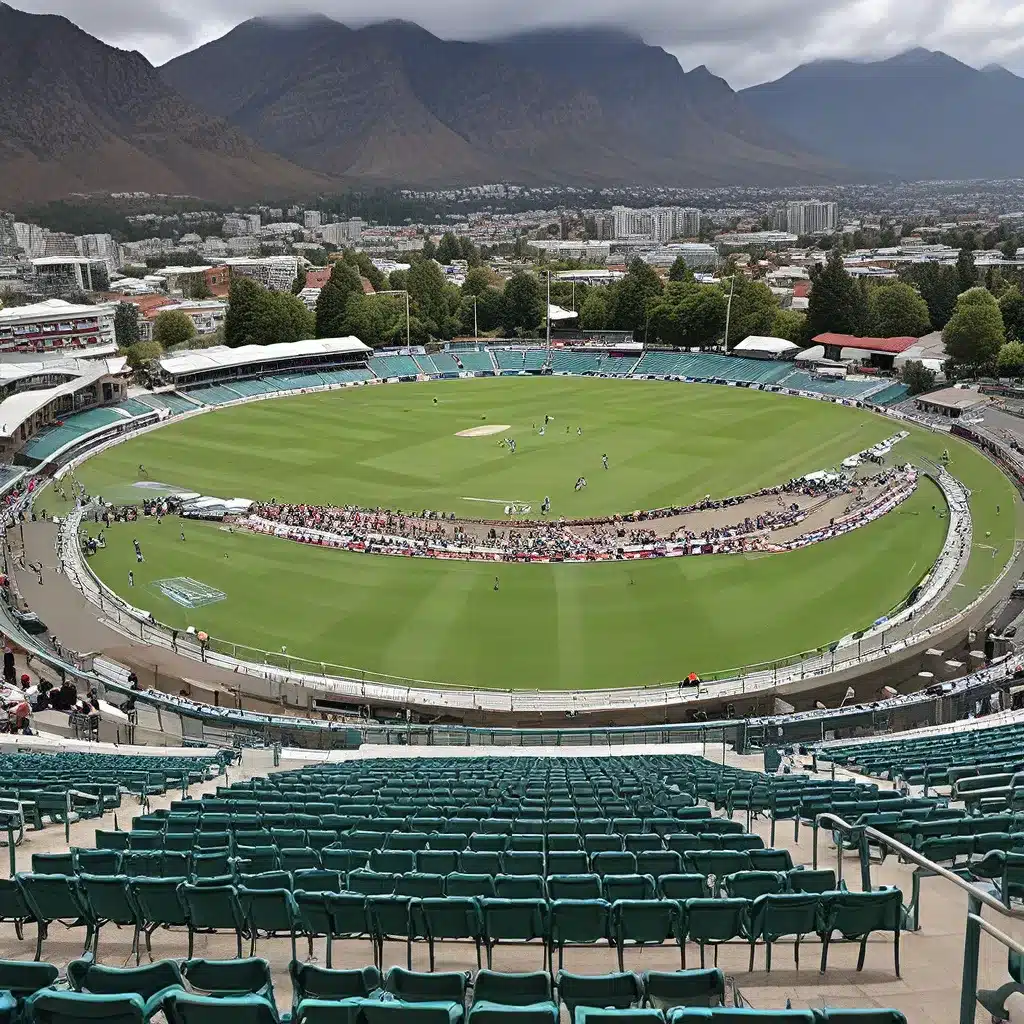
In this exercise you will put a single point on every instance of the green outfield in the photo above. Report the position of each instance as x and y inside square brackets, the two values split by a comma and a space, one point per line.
[548, 626]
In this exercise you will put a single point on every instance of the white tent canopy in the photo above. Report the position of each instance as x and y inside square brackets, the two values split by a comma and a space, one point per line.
[558, 313]
[778, 347]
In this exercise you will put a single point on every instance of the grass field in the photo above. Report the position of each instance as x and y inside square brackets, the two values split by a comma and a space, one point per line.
[548, 626]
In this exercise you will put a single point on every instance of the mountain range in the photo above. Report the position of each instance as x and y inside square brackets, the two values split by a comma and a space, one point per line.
[78, 116]
[297, 108]
[919, 115]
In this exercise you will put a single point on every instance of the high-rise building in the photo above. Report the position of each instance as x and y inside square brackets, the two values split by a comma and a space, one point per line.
[312, 219]
[343, 231]
[811, 217]
[100, 247]
[31, 238]
[659, 223]
[687, 222]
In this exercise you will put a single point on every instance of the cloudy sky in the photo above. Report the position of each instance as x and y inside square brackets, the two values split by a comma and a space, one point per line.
[745, 41]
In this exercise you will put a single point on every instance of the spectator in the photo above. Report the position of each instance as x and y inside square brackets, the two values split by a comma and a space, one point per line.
[65, 698]
[8, 665]
[42, 701]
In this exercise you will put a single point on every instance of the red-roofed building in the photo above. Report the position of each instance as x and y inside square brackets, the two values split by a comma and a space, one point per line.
[318, 277]
[880, 351]
[801, 289]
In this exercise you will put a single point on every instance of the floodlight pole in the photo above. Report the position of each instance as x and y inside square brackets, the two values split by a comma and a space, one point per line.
[476, 333]
[728, 311]
[548, 314]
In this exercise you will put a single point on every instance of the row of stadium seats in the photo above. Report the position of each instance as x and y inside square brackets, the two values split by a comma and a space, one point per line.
[197, 991]
[146, 903]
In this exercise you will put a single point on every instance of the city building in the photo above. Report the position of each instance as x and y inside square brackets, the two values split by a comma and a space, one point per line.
[312, 219]
[206, 314]
[811, 217]
[31, 238]
[9, 246]
[236, 224]
[770, 239]
[243, 245]
[100, 247]
[697, 255]
[69, 276]
[343, 231]
[55, 326]
[659, 223]
[275, 272]
[589, 252]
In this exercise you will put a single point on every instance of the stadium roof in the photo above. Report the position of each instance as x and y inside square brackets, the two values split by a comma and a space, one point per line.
[223, 357]
[16, 409]
[50, 309]
[889, 345]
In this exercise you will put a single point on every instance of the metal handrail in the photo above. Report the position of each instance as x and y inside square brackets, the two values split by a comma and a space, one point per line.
[976, 899]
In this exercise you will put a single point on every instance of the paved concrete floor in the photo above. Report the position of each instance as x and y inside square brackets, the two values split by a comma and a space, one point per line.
[928, 992]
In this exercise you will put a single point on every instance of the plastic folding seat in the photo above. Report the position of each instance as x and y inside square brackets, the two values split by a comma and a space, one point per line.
[621, 991]
[526, 842]
[253, 837]
[516, 920]
[440, 862]
[459, 883]
[770, 860]
[473, 862]
[413, 987]
[429, 825]
[628, 887]
[54, 898]
[160, 905]
[627, 826]
[612, 863]
[841, 1016]
[601, 843]
[856, 914]
[111, 840]
[23, 978]
[522, 998]
[717, 862]
[360, 840]
[665, 990]
[577, 921]
[566, 862]
[109, 899]
[522, 863]
[299, 859]
[776, 915]
[520, 887]
[255, 860]
[332, 987]
[54, 863]
[452, 918]
[212, 841]
[392, 861]
[564, 843]
[682, 842]
[594, 827]
[384, 824]
[659, 862]
[52, 1007]
[215, 907]
[713, 921]
[481, 842]
[750, 884]
[419, 884]
[185, 1008]
[741, 841]
[210, 865]
[320, 838]
[456, 842]
[151, 982]
[344, 860]
[391, 917]
[813, 880]
[98, 862]
[269, 910]
[646, 922]
[332, 915]
[222, 978]
[642, 842]
[180, 842]
[145, 840]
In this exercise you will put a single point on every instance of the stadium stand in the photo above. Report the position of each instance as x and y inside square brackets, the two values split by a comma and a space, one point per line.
[133, 407]
[474, 361]
[508, 360]
[575, 361]
[169, 400]
[800, 380]
[394, 366]
[445, 363]
[52, 439]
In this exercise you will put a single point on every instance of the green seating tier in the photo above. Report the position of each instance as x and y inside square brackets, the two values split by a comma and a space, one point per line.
[386, 367]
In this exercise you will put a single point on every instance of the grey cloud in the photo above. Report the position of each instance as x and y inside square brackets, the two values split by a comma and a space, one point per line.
[744, 41]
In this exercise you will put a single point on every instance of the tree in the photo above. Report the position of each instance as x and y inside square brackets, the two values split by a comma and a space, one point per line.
[836, 303]
[917, 377]
[195, 287]
[680, 270]
[522, 307]
[898, 311]
[363, 266]
[173, 327]
[939, 287]
[790, 324]
[399, 280]
[629, 308]
[1011, 305]
[1010, 361]
[240, 322]
[594, 312]
[479, 280]
[429, 249]
[448, 249]
[689, 315]
[333, 298]
[975, 331]
[143, 352]
[300, 282]
[126, 324]
[487, 307]
[285, 318]
[753, 310]
[429, 295]
[966, 273]
[377, 321]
